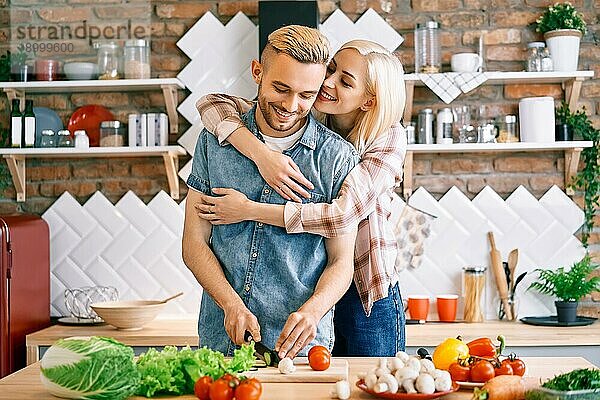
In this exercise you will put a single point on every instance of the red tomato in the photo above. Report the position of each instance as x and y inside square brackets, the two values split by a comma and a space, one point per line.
[317, 348]
[202, 386]
[221, 389]
[319, 360]
[482, 371]
[253, 382]
[247, 391]
[504, 369]
[459, 372]
[518, 367]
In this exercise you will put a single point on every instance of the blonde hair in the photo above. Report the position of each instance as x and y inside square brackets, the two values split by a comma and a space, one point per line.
[304, 44]
[384, 82]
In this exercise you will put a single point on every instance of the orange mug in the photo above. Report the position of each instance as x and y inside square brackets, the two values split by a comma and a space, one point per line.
[446, 307]
[418, 307]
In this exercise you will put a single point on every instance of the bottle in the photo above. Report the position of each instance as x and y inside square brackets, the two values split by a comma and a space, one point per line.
[16, 124]
[28, 138]
[427, 48]
[444, 126]
[82, 141]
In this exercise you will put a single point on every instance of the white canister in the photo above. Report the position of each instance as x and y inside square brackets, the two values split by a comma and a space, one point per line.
[444, 126]
[536, 119]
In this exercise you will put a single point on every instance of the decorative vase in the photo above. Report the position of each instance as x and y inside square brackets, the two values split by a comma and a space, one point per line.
[564, 48]
[566, 311]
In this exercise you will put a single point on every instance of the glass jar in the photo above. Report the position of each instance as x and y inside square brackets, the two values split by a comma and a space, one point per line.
[109, 59]
[547, 64]
[473, 291]
[48, 138]
[427, 48]
[508, 130]
[82, 141]
[64, 139]
[534, 59]
[137, 59]
[111, 134]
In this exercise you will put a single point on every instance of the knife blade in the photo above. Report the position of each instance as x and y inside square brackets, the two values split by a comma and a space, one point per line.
[270, 357]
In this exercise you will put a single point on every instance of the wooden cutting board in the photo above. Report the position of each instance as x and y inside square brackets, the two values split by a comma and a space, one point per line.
[338, 370]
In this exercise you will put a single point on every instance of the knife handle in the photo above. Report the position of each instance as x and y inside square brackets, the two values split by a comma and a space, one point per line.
[248, 337]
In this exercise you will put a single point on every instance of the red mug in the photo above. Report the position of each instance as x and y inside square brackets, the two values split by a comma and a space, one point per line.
[418, 307]
[446, 307]
[46, 70]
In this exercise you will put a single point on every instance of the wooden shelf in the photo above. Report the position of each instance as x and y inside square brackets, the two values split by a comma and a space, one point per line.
[572, 152]
[16, 158]
[570, 81]
[169, 87]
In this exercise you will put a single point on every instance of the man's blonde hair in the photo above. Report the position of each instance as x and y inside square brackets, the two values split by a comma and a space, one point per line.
[303, 44]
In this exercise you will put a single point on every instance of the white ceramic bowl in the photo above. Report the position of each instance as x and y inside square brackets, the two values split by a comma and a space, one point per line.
[128, 315]
[80, 70]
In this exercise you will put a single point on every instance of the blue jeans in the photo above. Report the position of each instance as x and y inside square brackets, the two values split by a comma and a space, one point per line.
[379, 335]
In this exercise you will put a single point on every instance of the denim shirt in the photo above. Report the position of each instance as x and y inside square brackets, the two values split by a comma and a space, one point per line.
[273, 272]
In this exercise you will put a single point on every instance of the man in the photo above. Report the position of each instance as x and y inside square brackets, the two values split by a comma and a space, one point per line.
[281, 288]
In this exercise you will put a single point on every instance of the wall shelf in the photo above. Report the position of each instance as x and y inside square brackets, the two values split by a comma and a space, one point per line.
[570, 81]
[168, 86]
[572, 151]
[16, 158]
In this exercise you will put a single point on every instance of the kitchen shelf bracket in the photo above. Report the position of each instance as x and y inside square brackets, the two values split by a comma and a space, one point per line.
[171, 167]
[15, 94]
[170, 95]
[407, 180]
[410, 92]
[571, 164]
[572, 90]
[16, 166]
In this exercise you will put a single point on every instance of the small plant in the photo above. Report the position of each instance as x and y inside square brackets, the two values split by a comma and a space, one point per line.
[5, 67]
[569, 285]
[561, 16]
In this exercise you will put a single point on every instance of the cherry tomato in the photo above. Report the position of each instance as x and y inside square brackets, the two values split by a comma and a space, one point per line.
[247, 391]
[202, 386]
[317, 348]
[459, 372]
[252, 382]
[482, 371]
[319, 360]
[504, 369]
[518, 366]
[221, 389]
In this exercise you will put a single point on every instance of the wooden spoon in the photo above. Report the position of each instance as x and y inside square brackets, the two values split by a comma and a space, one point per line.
[513, 259]
[169, 298]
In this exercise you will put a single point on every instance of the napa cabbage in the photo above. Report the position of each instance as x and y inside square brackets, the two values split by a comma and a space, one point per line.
[89, 368]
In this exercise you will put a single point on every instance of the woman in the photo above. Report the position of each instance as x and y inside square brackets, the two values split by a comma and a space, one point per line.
[362, 99]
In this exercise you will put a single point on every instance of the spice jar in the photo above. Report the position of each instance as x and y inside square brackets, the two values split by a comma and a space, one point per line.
[534, 56]
[508, 130]
[64, 139]
[109, 59]
[48, 138]
[111, 134]
[473, 293]
[82, 141]
[427, 48]
[137, 59]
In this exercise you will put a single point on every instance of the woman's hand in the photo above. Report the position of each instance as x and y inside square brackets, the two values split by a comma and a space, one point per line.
[283, 175]
[230, 208]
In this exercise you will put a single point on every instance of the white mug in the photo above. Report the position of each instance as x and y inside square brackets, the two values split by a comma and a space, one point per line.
[466, 62]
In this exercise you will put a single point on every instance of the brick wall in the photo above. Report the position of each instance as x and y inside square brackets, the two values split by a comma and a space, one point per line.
[508, 27]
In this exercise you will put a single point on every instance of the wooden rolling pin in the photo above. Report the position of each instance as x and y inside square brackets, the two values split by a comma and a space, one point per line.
[500, 276]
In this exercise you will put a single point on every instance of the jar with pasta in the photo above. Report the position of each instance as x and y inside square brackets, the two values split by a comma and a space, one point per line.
[473, 293]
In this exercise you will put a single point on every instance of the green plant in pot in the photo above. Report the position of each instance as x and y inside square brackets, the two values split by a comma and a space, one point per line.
[563, 28]
[20, 70]
[568, 286]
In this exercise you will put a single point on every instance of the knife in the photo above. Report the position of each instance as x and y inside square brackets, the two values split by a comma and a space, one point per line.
[270, 357]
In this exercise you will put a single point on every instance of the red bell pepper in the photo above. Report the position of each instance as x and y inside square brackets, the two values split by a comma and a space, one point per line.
[484, 347]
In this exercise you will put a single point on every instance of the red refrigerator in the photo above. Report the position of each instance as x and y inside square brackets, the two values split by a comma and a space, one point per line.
[25, 288]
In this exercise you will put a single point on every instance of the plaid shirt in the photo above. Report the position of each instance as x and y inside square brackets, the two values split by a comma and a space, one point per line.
[365, 198]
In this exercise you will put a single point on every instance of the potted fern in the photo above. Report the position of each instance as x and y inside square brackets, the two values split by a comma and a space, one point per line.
[568, 286]
[563, 28]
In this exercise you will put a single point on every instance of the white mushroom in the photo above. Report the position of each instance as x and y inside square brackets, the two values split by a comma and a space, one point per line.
[381, 371]
[425, 384]
[436, 373]
[341, 390]
[383, 363]
[371, 381]
[386, 383]
[286, 366]
[396, 364]
[427, 366]
[402, 356]
[361, 375]
[406, 373]
[414, 363]
[443, 382]
[409, 386]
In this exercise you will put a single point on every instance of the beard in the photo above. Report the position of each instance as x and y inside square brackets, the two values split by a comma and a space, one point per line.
[273, 119]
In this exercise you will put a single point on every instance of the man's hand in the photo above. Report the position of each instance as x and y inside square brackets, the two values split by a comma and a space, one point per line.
[299, 330]
[238, 320]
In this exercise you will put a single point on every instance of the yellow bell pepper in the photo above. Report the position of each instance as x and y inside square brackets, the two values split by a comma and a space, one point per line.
[448, 352]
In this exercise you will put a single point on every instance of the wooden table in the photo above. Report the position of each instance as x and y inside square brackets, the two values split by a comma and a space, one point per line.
[26, 384]
[525, 340]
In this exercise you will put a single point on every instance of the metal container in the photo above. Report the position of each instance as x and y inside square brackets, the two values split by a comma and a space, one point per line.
[425, 125]
[428, 58]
